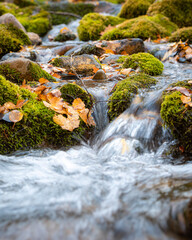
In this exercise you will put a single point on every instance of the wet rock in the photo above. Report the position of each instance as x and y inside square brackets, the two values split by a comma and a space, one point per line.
[124, 46]
[34, 38]
[107, 7]
[64, 35]
[86, 49]
[18, 69]
[8, 18]
[61, 50]
[28, 55]
[110, 59]
[83, 64]
[100, 75]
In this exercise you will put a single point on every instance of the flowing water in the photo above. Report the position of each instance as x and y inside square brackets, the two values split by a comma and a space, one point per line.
[118, 185]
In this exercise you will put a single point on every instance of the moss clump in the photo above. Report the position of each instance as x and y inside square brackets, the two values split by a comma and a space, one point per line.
[24, 3]
[146, 62]
[142, 27]
[177, 11]
[71, 91]
[62, 37]
[80, 9]
[39, 23]
[33, 72]
[115, 1]
[125, 91]
[8, 8]
[183, 34]
[92, 24]
[132, 8]
[11, 39]
[177, 117]
[36, 128]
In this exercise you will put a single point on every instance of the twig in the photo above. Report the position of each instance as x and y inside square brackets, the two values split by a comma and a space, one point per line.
[65, 14]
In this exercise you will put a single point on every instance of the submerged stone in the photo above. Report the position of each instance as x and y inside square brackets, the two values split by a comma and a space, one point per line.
[18, 69]
[100, 75]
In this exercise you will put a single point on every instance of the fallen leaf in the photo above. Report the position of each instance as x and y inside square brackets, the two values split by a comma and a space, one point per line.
[15, 116]
[185, 99]
[43, 80]
[78, 104]
[9, 105]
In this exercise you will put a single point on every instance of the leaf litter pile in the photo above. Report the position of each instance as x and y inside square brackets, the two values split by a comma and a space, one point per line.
[66, 116]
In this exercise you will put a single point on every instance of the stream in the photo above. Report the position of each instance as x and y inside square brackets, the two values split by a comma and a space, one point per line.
[118, 185]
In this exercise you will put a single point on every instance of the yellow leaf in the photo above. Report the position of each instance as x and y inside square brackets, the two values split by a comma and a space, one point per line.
[15, 116]
[78, 104]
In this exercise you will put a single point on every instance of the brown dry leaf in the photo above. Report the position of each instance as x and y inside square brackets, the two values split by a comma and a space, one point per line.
[107, 50]
[63, 30]
[182, 90]
[185, 99]
[40, 89]
[84, 114]
[56, 75]
[66, 123]
[56, 102]
[9, 105]
[78, 104]
[71, 112]
[42, 97]
[15, 116]
[95, 69]
[2, 109]
[126, 71]
[21, 103]
[43, 80]
[47, 104]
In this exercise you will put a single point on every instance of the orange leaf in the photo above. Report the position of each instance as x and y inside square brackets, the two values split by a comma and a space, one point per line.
[43, 80]
[9, 105]
[21, 103]
[40, 89]
[84, 114]
[56, 93]
[185, 99]
[95, 69]
[56, 75]
[15, 116]
[66, 123]
[109, 51]
[78, 104]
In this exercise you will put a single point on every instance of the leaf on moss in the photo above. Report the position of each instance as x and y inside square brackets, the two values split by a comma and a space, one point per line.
[15, 116]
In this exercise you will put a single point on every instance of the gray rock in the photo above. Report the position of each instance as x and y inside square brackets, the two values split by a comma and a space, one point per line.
[8, 18]
[100, 75]
[34, 38]
[83, 64]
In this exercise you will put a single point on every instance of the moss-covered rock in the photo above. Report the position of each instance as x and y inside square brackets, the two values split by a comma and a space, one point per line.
[71, 91]
[133, 9]
[92, 24]
[8, 8]
[24, 3]
[178, 117]
[146, 62]
[125, 91]
[18, 69]
[143, 27]
[115, 1]
[39, 23]
[177, 11]
[80, 9]
[11, 39]
[62, 37]
[183, 34]
[37, 127]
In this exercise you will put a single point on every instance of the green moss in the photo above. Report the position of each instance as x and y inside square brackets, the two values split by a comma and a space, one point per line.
[34, 73]
[132, 8]
[142, 27]
[178, 118]
[80, 9]
[24, 3]
[36, 128]
[72, 91]
[62, 37]
[39, 23]
[92, 24]
[183, 34]
[177, 11]
[12, 39]
[115, 1]
[146, 62]
[8, 8]
[125, 91]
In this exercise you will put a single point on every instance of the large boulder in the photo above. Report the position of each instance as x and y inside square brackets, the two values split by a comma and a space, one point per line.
[92, 24]
[18, 69]
[124, 92]
[177, 114]
[83, 64]
[133, 9]
[177, 11]
[37, 127]
[143, 27]
[12, 39]
[34, 38]
[8, 19]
